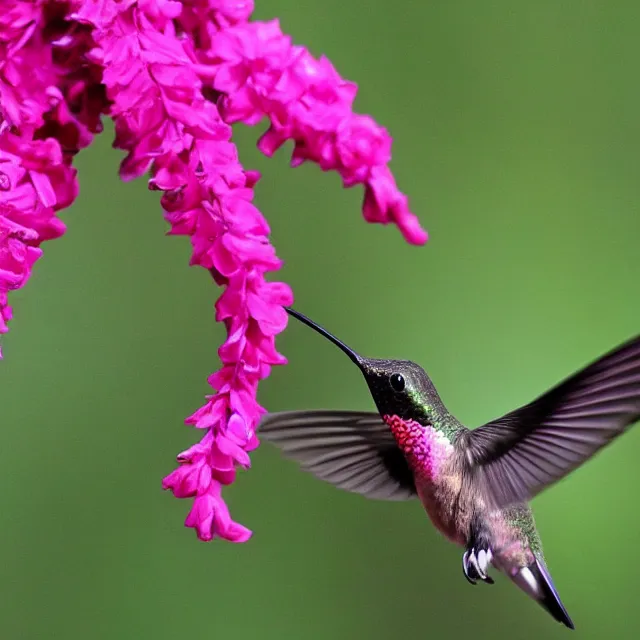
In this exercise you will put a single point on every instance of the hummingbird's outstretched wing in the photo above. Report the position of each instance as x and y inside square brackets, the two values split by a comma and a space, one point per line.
[352, 450]
[513, 458]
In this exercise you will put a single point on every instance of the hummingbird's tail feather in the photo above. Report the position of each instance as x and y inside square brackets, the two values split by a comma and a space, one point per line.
[536, 582]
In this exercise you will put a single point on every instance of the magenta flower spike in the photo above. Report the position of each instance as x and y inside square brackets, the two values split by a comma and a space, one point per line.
[174, 76]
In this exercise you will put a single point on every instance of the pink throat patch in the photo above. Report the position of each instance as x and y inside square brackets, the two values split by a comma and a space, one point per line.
[425, 448]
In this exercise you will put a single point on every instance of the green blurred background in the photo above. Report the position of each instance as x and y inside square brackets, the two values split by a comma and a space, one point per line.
[517, 137]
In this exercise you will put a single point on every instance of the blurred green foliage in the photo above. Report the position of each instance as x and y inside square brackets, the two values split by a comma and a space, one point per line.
[517, 136]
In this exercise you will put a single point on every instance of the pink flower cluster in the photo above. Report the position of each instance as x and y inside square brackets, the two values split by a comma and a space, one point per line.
[174, 76]
[260, 73]
[50, 105]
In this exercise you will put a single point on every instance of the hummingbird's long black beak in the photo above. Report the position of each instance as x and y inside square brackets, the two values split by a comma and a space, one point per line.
[310, 323]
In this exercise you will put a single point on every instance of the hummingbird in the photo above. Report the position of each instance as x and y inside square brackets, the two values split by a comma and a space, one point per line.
[474, 484]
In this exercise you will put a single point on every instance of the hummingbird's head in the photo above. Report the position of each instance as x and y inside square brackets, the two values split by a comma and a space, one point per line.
[399, 387]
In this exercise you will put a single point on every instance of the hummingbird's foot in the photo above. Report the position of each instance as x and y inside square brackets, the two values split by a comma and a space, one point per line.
[475, 565]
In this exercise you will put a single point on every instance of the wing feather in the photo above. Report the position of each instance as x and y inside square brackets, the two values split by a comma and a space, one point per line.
[352, 450]
[515, 457]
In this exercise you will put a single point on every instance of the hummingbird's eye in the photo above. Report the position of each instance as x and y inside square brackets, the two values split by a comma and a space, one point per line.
[397, 382]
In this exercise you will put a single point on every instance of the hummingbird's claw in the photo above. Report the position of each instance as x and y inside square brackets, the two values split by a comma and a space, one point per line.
[466, 567]
[475, 566]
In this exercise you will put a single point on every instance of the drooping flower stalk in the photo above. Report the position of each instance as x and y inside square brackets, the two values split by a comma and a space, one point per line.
[260, 73]
[174, 76]
[50, 105]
